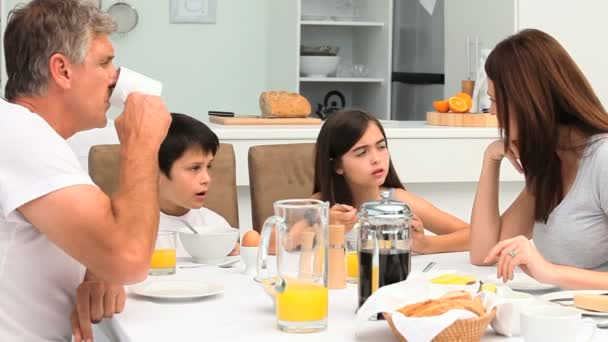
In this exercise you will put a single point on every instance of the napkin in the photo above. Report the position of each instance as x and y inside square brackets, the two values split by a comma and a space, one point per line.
[415, 289]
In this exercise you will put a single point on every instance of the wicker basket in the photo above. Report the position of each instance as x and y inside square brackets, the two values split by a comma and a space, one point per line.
[466, 330]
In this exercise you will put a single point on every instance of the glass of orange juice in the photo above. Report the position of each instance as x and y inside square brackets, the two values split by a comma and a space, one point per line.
[163, 259]
[352, 258]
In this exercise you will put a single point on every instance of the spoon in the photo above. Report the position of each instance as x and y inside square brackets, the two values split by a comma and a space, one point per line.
[189, 226]
[429, 266]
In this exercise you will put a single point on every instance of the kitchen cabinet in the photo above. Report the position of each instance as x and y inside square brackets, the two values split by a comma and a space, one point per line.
[364, 37]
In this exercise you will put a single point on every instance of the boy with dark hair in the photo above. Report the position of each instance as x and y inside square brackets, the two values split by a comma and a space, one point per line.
[184, 159]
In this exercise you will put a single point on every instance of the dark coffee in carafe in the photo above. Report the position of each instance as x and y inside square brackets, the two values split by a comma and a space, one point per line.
[393, 266]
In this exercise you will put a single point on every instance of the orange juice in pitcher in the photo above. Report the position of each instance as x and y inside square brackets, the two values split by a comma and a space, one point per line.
[302, 302]
[300, 285]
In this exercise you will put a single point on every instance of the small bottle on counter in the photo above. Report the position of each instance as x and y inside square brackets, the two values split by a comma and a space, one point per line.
[336, 267]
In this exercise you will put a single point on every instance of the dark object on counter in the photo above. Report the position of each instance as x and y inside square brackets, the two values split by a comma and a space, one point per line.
[325, 109]
[219, 113]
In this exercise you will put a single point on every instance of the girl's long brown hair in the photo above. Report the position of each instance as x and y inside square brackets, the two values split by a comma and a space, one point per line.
[339, 134]
[539, 86]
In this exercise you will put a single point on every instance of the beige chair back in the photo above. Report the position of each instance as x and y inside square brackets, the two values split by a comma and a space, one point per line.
[278, 172]
[104, 166]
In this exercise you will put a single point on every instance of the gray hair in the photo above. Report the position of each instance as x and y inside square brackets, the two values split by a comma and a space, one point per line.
[42, 28]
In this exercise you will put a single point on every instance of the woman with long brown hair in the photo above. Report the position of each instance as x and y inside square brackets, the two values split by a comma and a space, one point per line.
[352, 166]
[554, 132]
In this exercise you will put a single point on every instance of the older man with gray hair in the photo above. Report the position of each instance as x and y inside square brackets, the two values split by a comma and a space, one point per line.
[57, 229]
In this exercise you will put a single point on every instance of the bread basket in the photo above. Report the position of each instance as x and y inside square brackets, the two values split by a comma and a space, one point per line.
[464, 330]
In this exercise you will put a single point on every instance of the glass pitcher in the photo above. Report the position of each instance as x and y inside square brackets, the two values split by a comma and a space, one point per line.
[300, 285]
[384, 244]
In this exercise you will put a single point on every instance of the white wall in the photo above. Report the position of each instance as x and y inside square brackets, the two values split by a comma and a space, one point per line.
[489, 21]
[220, 66]
[580, 26]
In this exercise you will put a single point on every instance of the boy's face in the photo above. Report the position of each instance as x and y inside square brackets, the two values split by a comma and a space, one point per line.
[189, 182]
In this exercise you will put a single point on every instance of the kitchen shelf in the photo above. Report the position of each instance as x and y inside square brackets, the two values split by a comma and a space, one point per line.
[363, 40]
[342, 79]
[341, 23]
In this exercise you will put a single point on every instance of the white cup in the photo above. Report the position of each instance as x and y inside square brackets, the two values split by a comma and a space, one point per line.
[555, 324]
[507, 321]
[130, 81]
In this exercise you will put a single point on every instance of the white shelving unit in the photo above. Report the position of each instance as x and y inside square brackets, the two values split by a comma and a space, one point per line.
[342, 79]
[341, 23]
[364, 40]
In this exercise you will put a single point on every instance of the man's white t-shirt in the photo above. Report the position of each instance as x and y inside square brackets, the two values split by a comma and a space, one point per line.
[205, 220]
[38, 280]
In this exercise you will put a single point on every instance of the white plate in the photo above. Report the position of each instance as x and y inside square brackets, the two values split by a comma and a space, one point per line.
[570, 294]
[177, 289]
[523, 282]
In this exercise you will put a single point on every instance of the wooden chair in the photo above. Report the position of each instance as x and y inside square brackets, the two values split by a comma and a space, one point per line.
[104, 165]
[278, 172]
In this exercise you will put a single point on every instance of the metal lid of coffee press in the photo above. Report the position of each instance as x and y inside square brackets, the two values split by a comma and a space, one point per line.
[385, 208]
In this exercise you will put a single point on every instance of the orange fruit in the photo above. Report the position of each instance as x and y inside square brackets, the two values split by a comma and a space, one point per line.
[467, 98]
[458, 104]
[441, 106]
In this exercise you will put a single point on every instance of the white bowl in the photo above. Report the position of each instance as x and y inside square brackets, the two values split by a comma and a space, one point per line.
[209, 248]
[318, 66]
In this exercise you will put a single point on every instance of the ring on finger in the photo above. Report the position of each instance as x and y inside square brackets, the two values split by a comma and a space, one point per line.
[513, 253]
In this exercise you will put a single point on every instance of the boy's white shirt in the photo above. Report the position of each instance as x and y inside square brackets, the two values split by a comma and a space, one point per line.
[203, 219]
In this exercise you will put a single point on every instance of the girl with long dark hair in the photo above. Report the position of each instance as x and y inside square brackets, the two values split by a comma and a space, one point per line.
[352, 166]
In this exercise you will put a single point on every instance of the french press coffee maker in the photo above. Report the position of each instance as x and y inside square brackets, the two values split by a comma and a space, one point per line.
[384, 244]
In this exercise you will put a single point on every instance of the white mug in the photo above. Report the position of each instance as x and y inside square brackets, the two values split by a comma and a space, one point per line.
[508, 314]
[130, 81]
[555, 324]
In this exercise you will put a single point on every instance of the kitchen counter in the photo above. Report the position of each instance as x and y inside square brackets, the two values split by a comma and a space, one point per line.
[394, 129]
[420, 153]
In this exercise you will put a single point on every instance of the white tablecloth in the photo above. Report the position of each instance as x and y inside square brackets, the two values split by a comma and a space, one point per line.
[245, 313]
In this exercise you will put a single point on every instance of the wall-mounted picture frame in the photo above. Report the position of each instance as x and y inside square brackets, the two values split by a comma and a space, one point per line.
[193, 11]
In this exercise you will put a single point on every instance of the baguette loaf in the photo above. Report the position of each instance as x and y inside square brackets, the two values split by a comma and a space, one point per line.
[450, 301]
[284, 104]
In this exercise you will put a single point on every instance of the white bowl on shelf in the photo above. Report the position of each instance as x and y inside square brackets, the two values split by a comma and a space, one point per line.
[318, 66]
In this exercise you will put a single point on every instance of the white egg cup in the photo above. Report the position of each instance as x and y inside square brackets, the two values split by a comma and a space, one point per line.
[249, 257]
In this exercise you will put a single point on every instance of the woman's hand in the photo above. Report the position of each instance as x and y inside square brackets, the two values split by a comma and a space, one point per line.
[343, 214]
[519, 251]
[496, 152]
